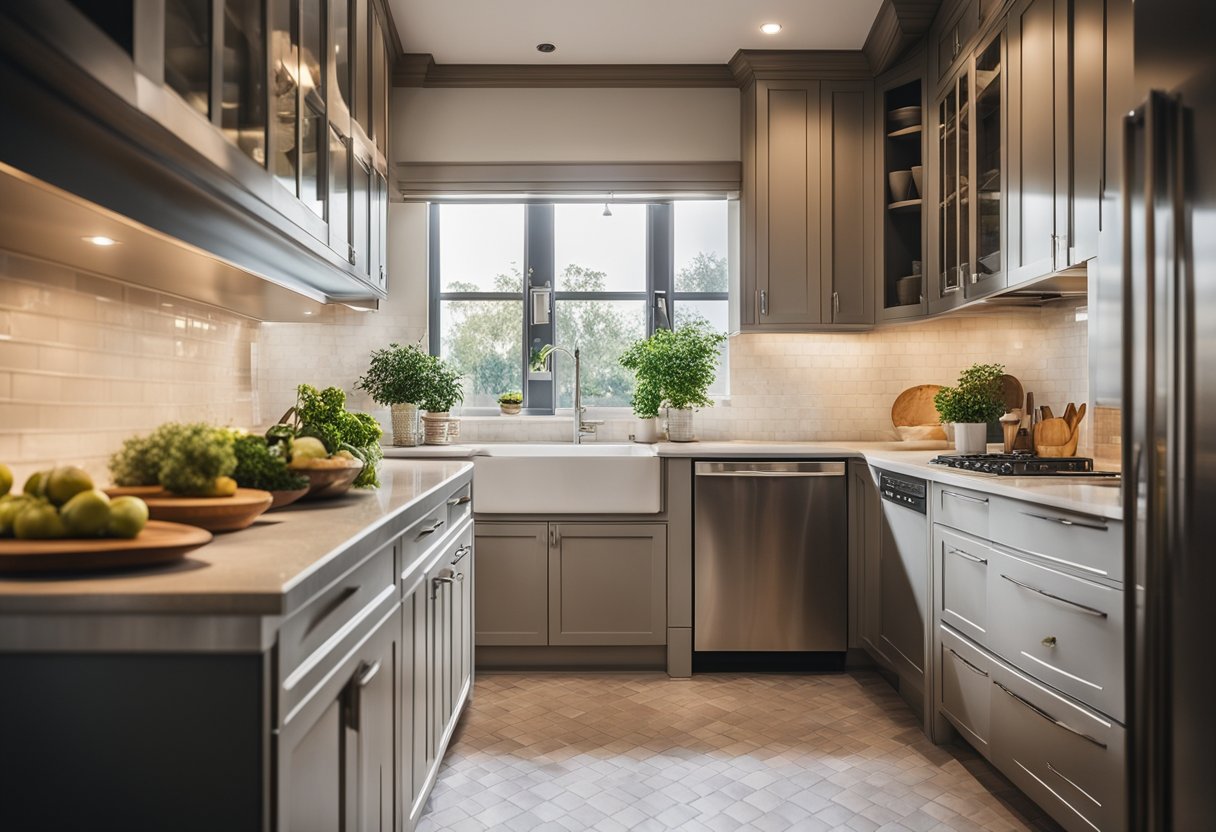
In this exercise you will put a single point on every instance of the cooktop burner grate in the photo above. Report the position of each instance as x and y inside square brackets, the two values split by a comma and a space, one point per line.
[1022, 465]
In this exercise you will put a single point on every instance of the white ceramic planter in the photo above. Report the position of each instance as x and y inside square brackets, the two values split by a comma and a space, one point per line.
[405, 424]
[646, 430]
[971, 437]
[679, 425]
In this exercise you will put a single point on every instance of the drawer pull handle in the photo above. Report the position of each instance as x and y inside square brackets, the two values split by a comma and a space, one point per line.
[459, 501]
[1064, 521]
[329, 609]
[983, 673]
[1071, 782]
[1036, 709]
[433, 528]
[460, 554]
[966, 497]
[1087, 610]
[366, 674]
[1048, 641]
[967, 555]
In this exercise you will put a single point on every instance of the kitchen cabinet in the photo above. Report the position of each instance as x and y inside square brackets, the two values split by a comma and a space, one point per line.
[1028, 637]
[513, 562]
[607, 583]
[863, 500]
[900, 270]
[954, 38]
[255, 130]
[572, 583]
[808, 232]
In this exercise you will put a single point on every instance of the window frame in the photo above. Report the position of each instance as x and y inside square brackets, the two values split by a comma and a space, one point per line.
[540, 273]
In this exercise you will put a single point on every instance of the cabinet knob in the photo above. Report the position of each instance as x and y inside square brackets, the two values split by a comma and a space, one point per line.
[1049, 641]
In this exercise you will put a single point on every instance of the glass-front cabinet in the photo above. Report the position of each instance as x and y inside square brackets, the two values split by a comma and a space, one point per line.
[901, 293]
[970, 171]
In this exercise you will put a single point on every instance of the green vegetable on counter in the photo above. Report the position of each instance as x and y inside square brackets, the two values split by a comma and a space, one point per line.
[323, 414]
[197, 457]
[258, 466]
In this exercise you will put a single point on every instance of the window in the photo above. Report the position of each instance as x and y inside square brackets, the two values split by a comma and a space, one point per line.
[614, 276]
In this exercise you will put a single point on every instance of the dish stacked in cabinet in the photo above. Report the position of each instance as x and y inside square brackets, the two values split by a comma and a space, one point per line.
[1029, 647]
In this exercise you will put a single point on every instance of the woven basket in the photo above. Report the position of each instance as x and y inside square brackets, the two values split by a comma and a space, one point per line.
[405, 424]
[437, 429]
[679, 425]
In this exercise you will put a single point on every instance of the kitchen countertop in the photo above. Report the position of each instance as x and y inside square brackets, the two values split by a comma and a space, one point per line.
[261, 570]
[1097, 497]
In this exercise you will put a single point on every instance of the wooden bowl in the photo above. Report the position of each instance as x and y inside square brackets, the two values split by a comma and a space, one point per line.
[326, 483]
[158, 543]
[215, 514]
[286, 498]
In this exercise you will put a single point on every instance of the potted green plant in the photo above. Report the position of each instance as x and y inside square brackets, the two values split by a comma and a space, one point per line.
[971, 404]
[511, 403]
[399, 377]
[443, 392]
[674, 368]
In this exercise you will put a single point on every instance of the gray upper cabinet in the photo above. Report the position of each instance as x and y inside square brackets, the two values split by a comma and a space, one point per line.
[808, 227]
[1088, 120]
[1038, 147]
[954, 38]
[607, 583]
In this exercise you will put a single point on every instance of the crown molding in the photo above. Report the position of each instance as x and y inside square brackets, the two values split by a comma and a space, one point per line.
[898, 25]
[420, 70]
[423, 180]
[750, 65]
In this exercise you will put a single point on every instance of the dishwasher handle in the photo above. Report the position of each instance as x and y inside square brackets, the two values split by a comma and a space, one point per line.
[770, 469]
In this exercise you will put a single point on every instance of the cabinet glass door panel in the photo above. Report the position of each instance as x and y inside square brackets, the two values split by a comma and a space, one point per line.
[988, 171]
[339, 64]
[314, 138]
[379, 103]
[188, 51]
[948, 165]
[964, 180]
[339, 192]
[312, 47]
[285, 92]
[360, 196]
[243, 95]
[361, 67]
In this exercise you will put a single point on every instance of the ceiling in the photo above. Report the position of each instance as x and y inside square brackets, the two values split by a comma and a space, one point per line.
[624, 31]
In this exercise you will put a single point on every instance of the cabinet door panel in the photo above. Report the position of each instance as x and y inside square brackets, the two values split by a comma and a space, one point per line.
[314, 777]
[374, 688]
[1032, 139]
[847, 252]
[512, 604]
[788, 184]
[608, 584]
[1088, 61]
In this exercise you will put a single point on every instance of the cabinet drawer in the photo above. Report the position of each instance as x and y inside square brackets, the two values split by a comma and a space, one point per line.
[965, 690]
[961, 509]
[417, 540]
[314, 640]
[962, 582]
[1093, 545]
[1068, 759]
[1059, 628]
[460, 505]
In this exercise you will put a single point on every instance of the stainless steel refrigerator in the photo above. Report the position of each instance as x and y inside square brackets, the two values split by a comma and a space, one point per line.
[1169, 414]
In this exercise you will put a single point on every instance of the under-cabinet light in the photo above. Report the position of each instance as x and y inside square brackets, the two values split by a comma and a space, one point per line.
[771, 28]
[100, 240]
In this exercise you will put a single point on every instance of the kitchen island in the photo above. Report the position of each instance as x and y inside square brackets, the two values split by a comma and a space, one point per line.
[304, 673]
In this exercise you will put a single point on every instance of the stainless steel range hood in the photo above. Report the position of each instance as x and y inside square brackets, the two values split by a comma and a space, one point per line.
[1069, 283]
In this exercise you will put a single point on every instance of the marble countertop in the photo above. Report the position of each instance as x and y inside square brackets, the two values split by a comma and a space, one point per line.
[252, 571]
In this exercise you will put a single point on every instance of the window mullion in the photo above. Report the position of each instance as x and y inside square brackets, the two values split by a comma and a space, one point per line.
[660, 260]
[539, 393]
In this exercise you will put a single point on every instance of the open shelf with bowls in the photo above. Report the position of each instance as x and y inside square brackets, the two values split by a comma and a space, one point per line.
[902, 291]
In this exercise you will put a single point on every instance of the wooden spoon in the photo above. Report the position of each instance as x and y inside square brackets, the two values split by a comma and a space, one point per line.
[1075, 422]
[1046, 411]
[1052, 431]
[1069, 412]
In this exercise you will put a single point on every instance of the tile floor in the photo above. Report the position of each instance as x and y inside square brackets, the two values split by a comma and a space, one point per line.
[559, 752]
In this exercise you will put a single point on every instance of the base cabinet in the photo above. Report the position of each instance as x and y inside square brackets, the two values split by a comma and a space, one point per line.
[556, 583]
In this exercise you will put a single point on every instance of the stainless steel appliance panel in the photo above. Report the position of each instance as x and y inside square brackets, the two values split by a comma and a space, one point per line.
[770, 556]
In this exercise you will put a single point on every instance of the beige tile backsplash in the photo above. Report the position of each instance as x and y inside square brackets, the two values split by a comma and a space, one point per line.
[86, 361]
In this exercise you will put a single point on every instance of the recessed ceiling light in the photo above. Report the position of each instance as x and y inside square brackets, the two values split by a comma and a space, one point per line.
[100, 240]
[771, 28]
[546, 48]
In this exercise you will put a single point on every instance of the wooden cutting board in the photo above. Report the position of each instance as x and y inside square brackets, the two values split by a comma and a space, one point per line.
[915, 406]
[158, 543]
[1011, 390]
[215, 514]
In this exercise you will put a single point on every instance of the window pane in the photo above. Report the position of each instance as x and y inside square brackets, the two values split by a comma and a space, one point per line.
[716, 313]
[481, 248]
[594, 253]
[483, 339]
[602, 330]
[700, 247]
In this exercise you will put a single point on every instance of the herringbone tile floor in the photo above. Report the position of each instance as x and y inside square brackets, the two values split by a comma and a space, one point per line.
[562, 752]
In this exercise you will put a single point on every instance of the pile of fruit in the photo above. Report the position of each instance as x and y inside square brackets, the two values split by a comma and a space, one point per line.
[319, 432]
[61, 503]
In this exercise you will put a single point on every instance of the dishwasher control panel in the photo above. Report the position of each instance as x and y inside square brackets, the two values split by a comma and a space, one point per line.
[906, 491]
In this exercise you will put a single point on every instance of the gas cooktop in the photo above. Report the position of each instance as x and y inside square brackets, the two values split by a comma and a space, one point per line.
[1023, 465]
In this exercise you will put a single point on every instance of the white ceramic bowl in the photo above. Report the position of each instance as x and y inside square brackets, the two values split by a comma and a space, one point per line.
[903, 117]
[900, 182]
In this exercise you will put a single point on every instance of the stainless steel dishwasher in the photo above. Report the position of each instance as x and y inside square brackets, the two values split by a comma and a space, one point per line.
[770, 552]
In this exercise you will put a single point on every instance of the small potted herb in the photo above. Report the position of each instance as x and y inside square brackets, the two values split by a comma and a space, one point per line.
[971, 404]
[443, 392]
[673, 368]
[511, 403]
[399, 377]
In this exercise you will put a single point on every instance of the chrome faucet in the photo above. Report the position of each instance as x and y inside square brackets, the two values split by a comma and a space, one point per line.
[582, 427]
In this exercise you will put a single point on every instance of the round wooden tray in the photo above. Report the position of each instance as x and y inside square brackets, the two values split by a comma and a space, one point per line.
[141, 491]
[286, 498]
[215, 514]
[158, 543]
